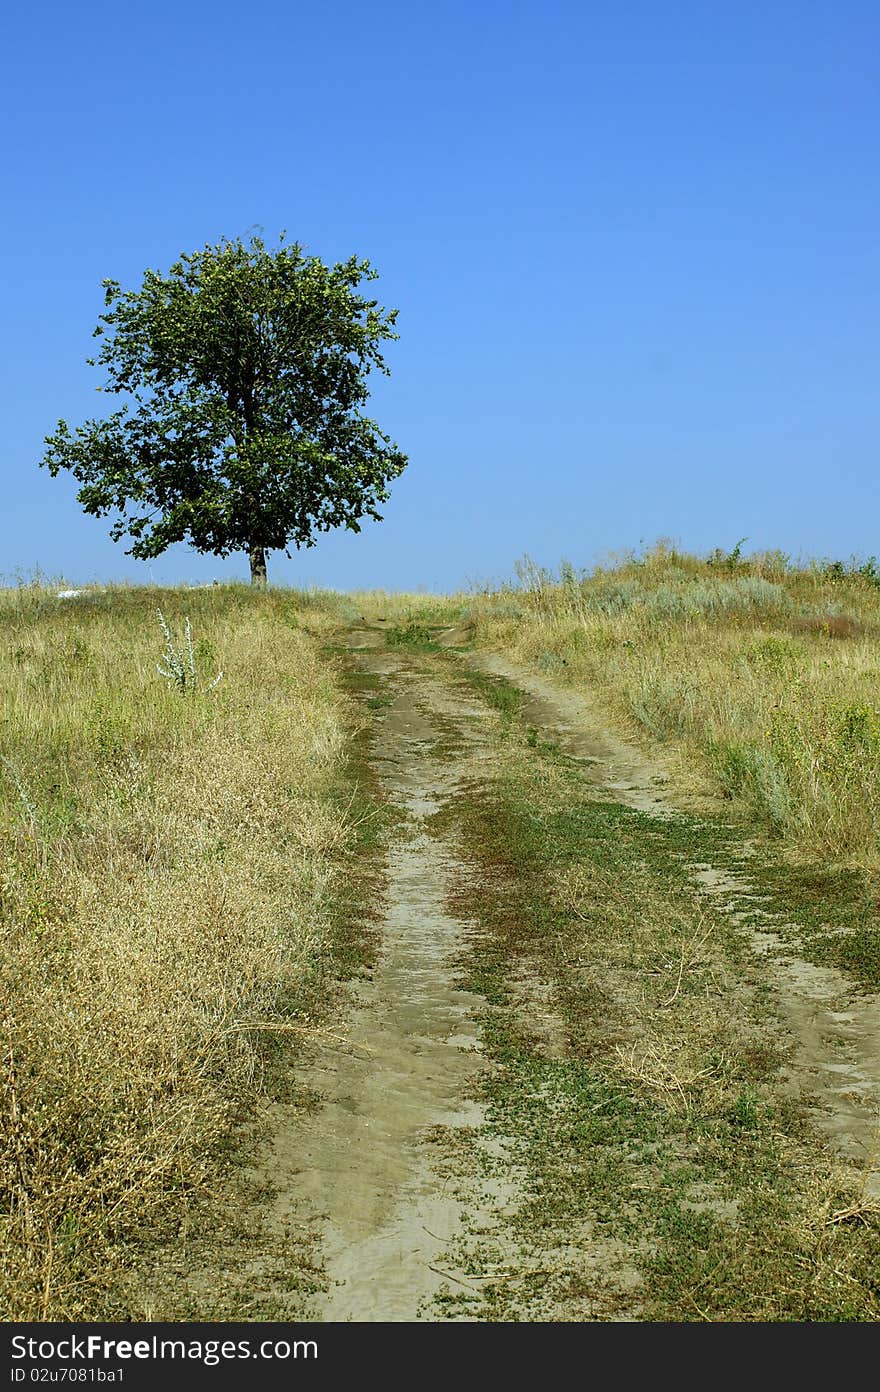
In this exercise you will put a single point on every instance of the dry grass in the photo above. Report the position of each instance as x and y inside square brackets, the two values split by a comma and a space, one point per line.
[166, 867]
[762, 675]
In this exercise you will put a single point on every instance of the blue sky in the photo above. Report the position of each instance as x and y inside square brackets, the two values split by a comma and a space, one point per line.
[634, 247]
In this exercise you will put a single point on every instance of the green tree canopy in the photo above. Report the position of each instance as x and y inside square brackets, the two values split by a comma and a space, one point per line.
[244, 374]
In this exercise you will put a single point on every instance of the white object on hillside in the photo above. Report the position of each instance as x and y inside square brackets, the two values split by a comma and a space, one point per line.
[68, 594]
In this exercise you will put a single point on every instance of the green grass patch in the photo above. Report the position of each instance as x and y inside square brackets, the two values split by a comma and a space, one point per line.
[499, 693]
[416, 637]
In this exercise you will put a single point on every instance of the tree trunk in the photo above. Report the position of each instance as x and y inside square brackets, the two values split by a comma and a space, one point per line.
[258, 566]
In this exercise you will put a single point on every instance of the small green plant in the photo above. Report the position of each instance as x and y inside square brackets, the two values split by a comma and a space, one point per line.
[870, 570]
[413, 635]
[855, 569]
[106, 731]
[744, 1113]
[178, 665]
[729, 559]
[568, 576]
[19, 785]
[735, 556]
[858, 729]
[774, 655]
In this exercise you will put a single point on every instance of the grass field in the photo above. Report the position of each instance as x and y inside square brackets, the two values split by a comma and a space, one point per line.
[179, 802]
[167, 864]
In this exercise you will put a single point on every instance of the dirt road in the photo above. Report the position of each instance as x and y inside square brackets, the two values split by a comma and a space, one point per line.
[366, 1163]
[586, 1074]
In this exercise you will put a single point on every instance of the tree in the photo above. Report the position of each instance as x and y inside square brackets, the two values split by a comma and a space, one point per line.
[244, 371]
